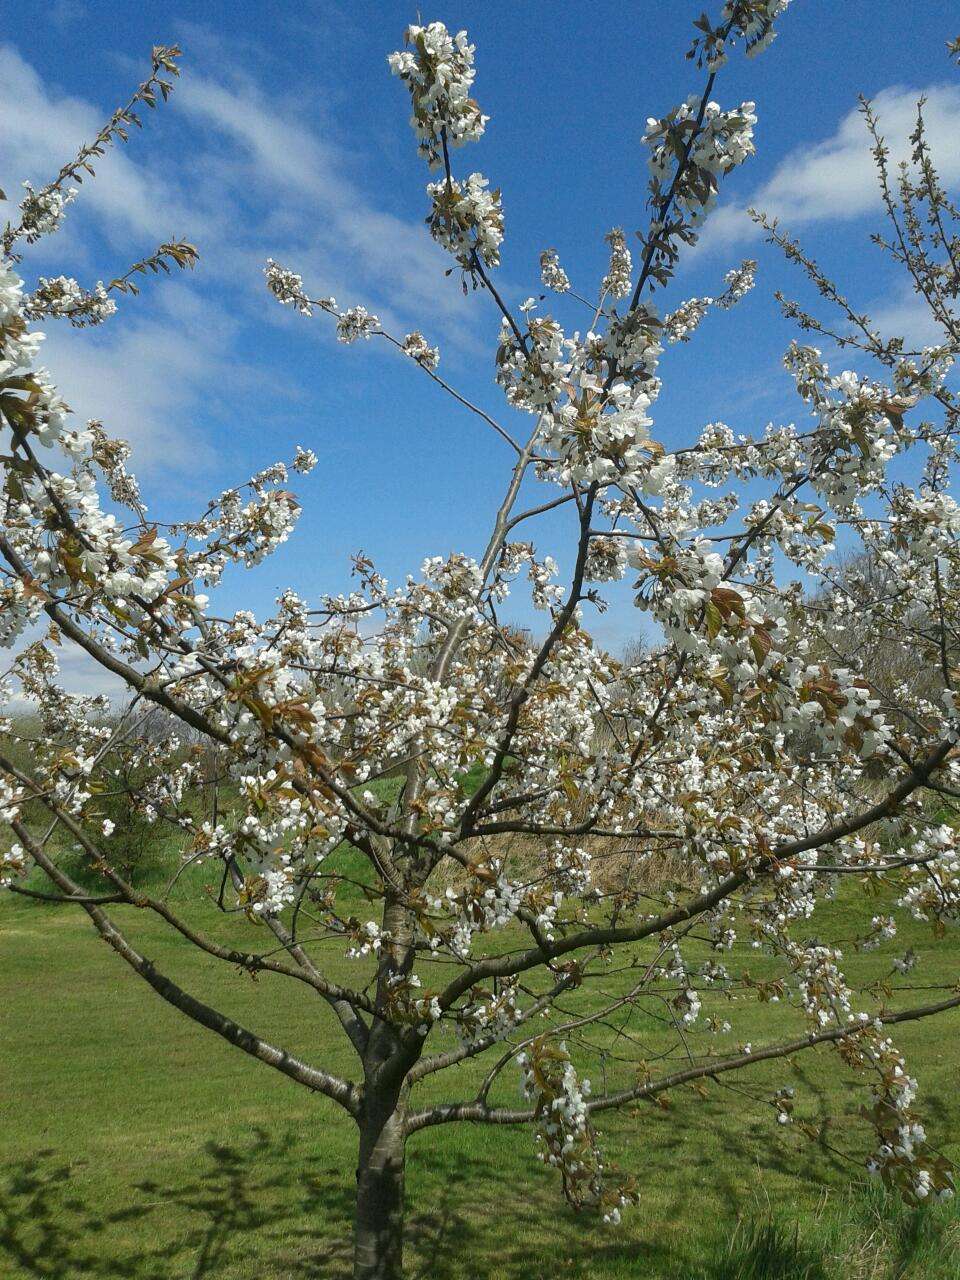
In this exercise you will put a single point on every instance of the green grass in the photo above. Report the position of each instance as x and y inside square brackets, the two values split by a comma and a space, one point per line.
[136, 1144]
[765, 1249]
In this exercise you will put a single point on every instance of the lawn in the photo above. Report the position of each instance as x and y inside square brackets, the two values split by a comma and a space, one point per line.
[137, 1144]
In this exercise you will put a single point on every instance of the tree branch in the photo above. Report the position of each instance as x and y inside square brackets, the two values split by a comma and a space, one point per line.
[341, 1091]
[480, 1113]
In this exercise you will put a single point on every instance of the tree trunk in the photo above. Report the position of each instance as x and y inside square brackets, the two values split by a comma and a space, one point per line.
[378, 1221]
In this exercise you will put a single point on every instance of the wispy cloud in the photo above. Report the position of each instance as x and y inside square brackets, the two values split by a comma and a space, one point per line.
[43, 128]
[836, 179]
[145, 377]
[78, 674]
[145, 373]
[258, 181]
[907, 315]
[313, 212]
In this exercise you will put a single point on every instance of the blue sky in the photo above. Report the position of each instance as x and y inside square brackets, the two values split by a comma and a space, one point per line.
[287, 137]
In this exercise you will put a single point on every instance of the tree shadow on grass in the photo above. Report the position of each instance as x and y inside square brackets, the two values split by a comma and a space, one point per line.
[243, 1202]
[266, 1208]
[269, 1207]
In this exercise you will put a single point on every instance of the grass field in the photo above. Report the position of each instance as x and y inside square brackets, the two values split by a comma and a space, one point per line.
[136, 1144]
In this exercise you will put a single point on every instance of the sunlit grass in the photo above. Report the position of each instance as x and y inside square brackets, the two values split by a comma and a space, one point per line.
[136, 1144]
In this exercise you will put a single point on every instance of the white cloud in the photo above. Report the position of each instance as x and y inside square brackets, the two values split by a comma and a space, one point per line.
[246, 151]
[145, 374]
[327, 227]
[836, 179]
[78, 674]
[906, 315]
[259, 182]
[43, 128]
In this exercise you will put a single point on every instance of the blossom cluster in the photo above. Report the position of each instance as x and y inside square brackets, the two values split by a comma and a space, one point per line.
[41, 212]
[63, 296]
[356, 323]
[438, 70]
[552, 274]
[418, 348]
[286, 286]
[466, 219]
[618, 281]
[723, 141]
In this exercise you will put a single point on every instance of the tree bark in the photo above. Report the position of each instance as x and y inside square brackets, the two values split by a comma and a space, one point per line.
[378, 1220]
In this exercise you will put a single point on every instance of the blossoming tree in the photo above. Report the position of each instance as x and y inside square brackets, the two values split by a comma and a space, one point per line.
[514, 872]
